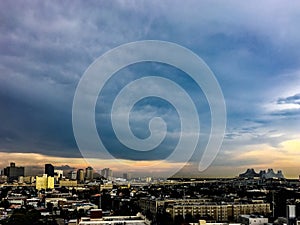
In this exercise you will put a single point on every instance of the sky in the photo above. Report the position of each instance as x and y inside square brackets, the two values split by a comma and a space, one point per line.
[253, 50]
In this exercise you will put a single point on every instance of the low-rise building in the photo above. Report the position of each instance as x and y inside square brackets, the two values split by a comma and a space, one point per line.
[216, 211]
[253, 220]
[106, 186]
[85, 206]
[68, 183]
[97, 219]
[203, 222]
[156, 205]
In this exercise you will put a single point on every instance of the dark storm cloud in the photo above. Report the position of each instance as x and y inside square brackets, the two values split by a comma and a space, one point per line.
[45, 47]
[35, 128]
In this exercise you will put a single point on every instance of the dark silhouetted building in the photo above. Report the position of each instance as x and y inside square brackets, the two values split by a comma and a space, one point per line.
[13, 172]
[49, 170]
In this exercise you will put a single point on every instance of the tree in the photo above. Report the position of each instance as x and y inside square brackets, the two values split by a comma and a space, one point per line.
[178, 220]
[80, 213]
[33, 215]
[25, 217]
[188, 218]
[49, 206]
[5, 204]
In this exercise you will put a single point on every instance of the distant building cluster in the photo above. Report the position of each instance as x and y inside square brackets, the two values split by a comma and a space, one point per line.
[269, 174]
[52, 177]
[85, 197]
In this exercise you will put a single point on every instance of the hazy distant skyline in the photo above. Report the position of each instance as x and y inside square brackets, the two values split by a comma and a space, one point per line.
[252, 48]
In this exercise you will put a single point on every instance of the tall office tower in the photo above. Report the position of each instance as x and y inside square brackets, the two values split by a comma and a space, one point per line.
[13, 172]
[107, 173]
[49, 170]
[80, 175]
[89, 173]
[74, 175]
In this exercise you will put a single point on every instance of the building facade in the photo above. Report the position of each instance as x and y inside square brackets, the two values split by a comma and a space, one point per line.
[80, 175]
[49, 170]
[203, 207]
[13, 172]
[89, 173]
[218, 212]
[44, 182]
[107, 173]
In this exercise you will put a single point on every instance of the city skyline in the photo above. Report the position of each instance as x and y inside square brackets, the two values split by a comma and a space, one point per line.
[30, 170]
[252, 49]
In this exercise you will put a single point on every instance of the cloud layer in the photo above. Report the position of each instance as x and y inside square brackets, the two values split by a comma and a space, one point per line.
[253, 49]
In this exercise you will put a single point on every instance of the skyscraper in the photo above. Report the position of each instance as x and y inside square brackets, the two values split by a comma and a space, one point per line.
[107, 173]
[13, 172]
[80, 175]
[49, 170]
[89, 173]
